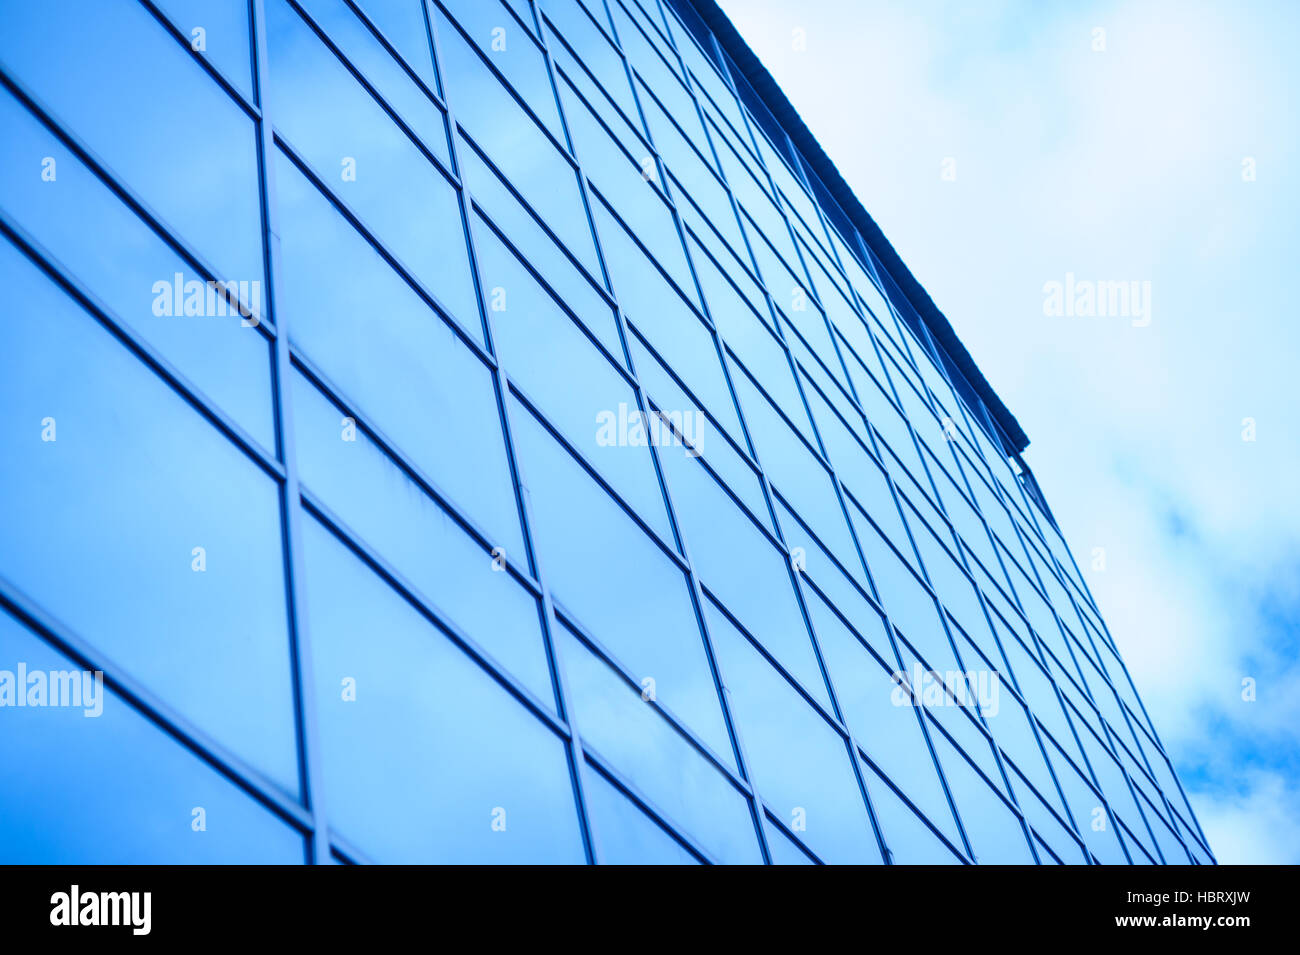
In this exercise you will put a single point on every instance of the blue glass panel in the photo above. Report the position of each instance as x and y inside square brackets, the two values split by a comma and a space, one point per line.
[650, 29]
[403, 25]
[546, 354]
[704, 234]
[910, 841]
[620, 127]
[592, 46]
[1050, 831]
[747, 572]
[702, 439]
[619, 584]
[798, 762]
[530, 162]
[910, 607]
[379, 501]
[1039, 693]
[425, 757]
[94, 468]
[995, 833]
[615, 720]
[960, 724]
[1014, 735]
[626, 835]
[857, 470]
[225, 37]
[564, 278]
[630, 184]
[758, 350]
[1092, 819]
[512, 51]
[369, 162]
[660, 313]
[137, 275]
[881, 715]
[783, 849]
[365, 51]
[409, 373]
[120, 791]
[893, 432]
[815, 563]
[143, 82]
[801, 478]
[1172, 850]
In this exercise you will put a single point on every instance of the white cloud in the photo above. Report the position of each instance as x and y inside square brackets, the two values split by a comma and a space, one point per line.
[1260, 827]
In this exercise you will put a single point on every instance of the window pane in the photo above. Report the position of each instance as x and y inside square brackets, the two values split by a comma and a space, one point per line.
[798, 762]
[880, 713]
[660, 313]
[506, 212]
[426, 758]
[995, 833]
[597, 53]
[369, 163]
[512, 51]
[143, 80]
[619, 584]
[137, 275]
[630, 184]
[394, 84]
[784, 851]
[703, 439]
[378, 500]
[910, 841]
[546, 354]
[225, 34]
[620, 726]
[626, 835]
[750, 339]
[800, 477]
[403, 24]
[1091, 818]
[516, 144]
[409, 372]
[910, 607]
[115, 789]
[143, 529]
[745, 571]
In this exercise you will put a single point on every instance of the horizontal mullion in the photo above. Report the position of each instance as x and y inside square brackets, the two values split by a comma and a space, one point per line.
[122, 330]
[148, 704]
[430, 611]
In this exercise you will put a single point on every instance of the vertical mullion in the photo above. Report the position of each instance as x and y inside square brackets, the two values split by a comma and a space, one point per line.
[768, 493]
[573, 742]
[643, 403]
[697, 591]
[300, 637]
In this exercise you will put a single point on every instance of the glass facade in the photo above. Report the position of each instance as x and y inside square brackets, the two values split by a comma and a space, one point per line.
[470, 430]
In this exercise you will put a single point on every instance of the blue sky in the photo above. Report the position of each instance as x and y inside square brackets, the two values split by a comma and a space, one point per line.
[1167, 157]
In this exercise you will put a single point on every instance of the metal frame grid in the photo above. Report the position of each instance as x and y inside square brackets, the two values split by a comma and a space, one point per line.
[1039, 543]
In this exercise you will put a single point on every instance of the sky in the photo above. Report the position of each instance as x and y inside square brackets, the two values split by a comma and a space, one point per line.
[1003, 147]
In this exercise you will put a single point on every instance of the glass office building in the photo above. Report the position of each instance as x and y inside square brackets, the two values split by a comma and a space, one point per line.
[490, 430]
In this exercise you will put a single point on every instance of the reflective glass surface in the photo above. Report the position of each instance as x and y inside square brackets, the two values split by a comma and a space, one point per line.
[471, 431]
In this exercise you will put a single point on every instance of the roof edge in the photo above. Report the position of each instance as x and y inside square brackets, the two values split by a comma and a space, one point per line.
[785, 114]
